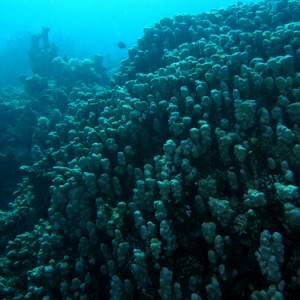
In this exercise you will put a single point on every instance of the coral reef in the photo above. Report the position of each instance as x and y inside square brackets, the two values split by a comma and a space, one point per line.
[178, 182]
[46, 65]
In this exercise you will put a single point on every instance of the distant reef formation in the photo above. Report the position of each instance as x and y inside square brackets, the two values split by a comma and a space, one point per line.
[177, 178]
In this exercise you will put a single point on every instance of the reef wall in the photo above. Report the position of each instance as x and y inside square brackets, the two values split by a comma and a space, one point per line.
[178, 182]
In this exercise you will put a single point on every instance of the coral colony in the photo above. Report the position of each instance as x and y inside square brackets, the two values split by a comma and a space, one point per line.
[176, 178]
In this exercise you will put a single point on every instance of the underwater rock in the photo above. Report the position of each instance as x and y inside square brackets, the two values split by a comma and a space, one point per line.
[35, 84]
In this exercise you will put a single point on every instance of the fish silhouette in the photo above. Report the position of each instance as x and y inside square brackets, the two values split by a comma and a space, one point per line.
[121, 45]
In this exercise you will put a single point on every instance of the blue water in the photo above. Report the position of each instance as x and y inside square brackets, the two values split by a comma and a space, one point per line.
[81, 28]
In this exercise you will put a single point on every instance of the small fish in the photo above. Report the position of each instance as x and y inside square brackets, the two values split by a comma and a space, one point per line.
[121, 45]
